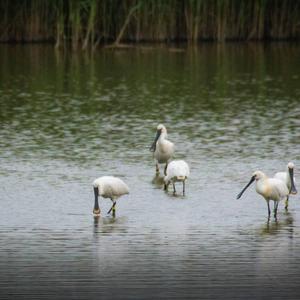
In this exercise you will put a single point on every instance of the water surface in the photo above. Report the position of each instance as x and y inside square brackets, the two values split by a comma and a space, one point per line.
[68, 118]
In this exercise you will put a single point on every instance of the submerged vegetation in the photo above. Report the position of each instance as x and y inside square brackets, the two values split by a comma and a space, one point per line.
[88, 23]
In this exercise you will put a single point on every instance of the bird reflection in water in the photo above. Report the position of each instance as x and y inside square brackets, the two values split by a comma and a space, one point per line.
[96, 221]
[109, 225]
[277, 227]
[158, 180]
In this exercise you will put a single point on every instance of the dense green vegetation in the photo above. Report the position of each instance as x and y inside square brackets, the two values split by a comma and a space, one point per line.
[88, 23]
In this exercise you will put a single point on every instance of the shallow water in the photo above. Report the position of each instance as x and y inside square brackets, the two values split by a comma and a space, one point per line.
[69, 118]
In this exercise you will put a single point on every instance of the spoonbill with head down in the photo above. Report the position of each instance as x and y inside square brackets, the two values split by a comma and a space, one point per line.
[288, 178]
[108, 187]
[270, 188]
[162, 148]
[177, 171]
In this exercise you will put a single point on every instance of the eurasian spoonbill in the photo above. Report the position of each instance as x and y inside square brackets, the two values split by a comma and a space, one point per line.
[288, 178]
[270, 188]
[177, 171]
[108, 187]
[162, 148]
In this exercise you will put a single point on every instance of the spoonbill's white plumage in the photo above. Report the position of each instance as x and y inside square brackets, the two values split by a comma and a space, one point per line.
[108, 187]
[177, 171]
[162, 148]
[270, 188]
[288, 178]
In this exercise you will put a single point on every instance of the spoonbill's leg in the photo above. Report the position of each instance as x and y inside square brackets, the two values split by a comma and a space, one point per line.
[275, 208]
[114, 210]
[112, 207]
[174, 189]
[165, 170]
[183, 187]
[269, 210]
[287, 203]
[166, 185]
[157, 168]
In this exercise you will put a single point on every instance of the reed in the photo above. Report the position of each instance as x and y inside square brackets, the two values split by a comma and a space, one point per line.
[88, 23]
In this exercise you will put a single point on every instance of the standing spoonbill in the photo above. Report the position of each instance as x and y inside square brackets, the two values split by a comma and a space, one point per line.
[177, 171]
[288, 178]
[162, 148]
[270, 188]
[108, 187]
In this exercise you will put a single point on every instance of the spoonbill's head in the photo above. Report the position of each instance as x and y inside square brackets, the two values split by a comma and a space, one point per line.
[96, 212]
[291, 173]
[161, 129]
[257, 175]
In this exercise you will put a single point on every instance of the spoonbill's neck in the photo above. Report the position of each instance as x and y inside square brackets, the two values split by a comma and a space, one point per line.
[163, 136]
[262, 179]
[261, 183]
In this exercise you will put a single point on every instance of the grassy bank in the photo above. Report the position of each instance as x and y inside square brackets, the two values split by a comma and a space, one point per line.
[88, 23]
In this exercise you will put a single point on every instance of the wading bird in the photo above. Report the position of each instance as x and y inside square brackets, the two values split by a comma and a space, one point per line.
[177, 171]
[108, 187]
[288, 178]
[270, 188]
[162, 148]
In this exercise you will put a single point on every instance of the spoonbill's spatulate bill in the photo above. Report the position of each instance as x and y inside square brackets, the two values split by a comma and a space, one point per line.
[177, 171]
[162, 148]
[270, 188]
[108, 187]
[288, 178]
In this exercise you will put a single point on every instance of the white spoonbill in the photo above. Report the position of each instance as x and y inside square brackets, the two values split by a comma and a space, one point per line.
[108, 187]
[162, 148]
[288, 178]
[177, 171]
[270, 188]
